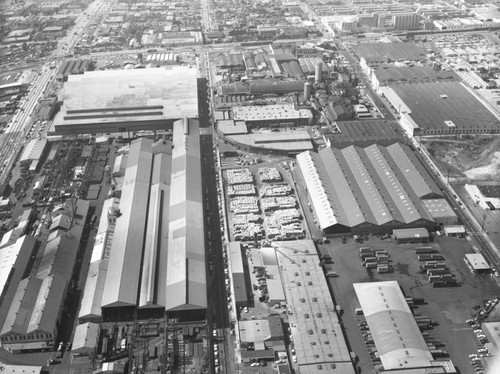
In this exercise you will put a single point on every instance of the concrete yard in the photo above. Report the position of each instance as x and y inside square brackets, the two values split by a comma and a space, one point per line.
[449, 307]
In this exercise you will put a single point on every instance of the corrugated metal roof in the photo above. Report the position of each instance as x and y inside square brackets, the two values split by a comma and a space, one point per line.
[396, 335]
[48, 303]
[402, 197]
[90, 306]
[16, 254]
[363, 176]
[186, 274]
[354, 185]
[122, 279]
[18, 317]
[309, 166]
[85, 338]
[413, 171]
[155, 249]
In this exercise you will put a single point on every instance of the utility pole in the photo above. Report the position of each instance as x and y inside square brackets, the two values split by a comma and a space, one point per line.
[484, 221]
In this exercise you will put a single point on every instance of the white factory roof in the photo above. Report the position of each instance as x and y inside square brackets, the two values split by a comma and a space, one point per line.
[122, 279]
[186, 274]
[20, 369]
[454, 229]
[85, 338]
[477, 261]
[90, 306]
[269, 112]
[33, 150]
[231, 127]
[399, 342]
[131, 95]
[17, 253]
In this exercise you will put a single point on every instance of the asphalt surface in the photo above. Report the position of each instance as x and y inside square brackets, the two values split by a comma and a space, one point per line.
[217, 314]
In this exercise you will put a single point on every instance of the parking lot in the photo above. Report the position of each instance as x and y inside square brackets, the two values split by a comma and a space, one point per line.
[449, 307]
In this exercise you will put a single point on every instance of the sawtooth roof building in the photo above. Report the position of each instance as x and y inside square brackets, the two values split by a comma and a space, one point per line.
[114, 101]
[372, 189]
[398, 340]
[157, 250]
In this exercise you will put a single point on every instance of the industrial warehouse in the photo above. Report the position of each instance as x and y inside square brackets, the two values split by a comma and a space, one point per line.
[372, 189]
[36, 302]
[440, 108]
[399, 342]
[164, 177]
[121, 101]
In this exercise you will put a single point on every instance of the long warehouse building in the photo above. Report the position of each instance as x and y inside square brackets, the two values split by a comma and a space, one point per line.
[398, 340]
[371, 189]
[127, 100]
[154, 264]
[186, 274]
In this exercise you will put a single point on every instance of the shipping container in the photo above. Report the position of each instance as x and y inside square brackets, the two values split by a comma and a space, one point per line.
[437, 271]
[422, 250]
[424, 257]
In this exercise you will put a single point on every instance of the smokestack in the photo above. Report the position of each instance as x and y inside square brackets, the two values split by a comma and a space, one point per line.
[307, 90]
[319, 73]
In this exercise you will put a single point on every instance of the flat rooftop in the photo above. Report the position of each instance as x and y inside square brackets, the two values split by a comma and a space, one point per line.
[366, 131]
[438, 105]
[128, 96]
[390, 51]
[315, 326]
[269, 112]
[477, 261]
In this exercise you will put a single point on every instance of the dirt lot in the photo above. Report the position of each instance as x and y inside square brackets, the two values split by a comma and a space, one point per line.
[449, 307]
[476, 158]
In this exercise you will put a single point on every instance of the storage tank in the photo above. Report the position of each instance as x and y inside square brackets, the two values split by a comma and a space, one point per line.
[319, 73]
[307, 90]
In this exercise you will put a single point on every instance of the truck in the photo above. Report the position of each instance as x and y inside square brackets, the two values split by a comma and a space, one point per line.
[422, 250]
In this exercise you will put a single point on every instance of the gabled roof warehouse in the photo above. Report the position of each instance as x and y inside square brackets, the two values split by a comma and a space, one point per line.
[157, 255]
[36, 306]
[240, 286]
[372, 188]
[90, 305]
[13, 262]
[154, 268]
[122, 279]
[186, 274]
[398, 339]
[86, 338]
